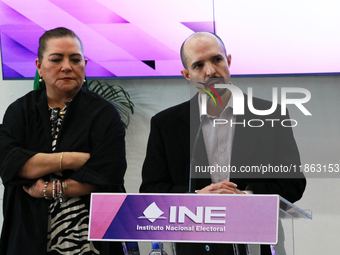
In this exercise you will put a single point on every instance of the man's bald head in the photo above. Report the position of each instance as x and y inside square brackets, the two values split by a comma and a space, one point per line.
[198, 35]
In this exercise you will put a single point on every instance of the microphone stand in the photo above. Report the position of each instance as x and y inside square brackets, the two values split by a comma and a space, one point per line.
[193, 158]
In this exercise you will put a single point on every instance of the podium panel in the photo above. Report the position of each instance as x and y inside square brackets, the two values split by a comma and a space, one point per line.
[184, 218]
[235, 219]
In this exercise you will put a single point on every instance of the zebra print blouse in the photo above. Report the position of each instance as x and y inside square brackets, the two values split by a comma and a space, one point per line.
[68, 221]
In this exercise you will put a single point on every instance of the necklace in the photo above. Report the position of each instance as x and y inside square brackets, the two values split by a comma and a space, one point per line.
[49, 107]
[63, 109]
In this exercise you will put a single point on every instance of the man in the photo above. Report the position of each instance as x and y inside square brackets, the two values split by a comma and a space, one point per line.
[173, 131]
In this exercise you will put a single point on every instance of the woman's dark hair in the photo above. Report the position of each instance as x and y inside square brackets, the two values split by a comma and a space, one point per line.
[58, 32]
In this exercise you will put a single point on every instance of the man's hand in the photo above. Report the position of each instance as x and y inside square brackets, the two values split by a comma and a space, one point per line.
[224, 187]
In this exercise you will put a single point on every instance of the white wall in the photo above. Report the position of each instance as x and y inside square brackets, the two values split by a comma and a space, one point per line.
[317, 138]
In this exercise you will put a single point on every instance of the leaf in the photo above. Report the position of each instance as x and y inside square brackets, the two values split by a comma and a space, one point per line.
[117, 95]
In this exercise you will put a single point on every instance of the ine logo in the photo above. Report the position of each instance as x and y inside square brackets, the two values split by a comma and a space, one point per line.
[152, 213]
[178, 214]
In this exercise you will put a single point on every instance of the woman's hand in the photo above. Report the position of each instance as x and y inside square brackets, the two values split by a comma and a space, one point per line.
[36, 189]
[71, 189]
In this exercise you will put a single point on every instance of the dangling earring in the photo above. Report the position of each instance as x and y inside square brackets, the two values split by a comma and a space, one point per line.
[41, 82]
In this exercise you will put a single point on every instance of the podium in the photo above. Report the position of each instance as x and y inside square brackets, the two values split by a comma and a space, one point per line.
[173, 218]
[287, 215]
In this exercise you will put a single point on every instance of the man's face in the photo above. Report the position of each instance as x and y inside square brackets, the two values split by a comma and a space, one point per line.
[206, 61]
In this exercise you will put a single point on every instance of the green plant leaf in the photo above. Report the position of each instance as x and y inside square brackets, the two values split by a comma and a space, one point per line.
[117, 95]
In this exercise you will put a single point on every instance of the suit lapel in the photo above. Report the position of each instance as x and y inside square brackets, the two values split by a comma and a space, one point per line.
[192, 123]
[184, 128]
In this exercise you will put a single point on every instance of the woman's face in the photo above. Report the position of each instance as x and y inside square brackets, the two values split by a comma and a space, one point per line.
[62, 66]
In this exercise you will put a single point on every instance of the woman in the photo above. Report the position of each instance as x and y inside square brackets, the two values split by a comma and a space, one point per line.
[57, 145]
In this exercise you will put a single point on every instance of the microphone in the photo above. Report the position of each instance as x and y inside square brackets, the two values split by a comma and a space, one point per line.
[194, 149]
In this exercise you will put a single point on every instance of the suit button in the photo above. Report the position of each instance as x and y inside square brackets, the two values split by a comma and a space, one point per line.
[207, 248]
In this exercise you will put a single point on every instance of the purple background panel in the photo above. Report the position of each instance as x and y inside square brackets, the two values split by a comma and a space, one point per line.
[263, 37]
[89, 11]
[249, 219]
[117, 35]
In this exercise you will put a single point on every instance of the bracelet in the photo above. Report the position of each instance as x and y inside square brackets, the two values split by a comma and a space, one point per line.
[60, 187]
[57, 190]
[61, 160]
[44, 191]
[57, 184]
[53, 190]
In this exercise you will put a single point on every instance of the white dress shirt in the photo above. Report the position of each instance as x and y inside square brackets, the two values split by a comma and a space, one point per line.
[219, 141]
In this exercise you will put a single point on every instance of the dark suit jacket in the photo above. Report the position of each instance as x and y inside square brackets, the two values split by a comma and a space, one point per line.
[173, 131]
